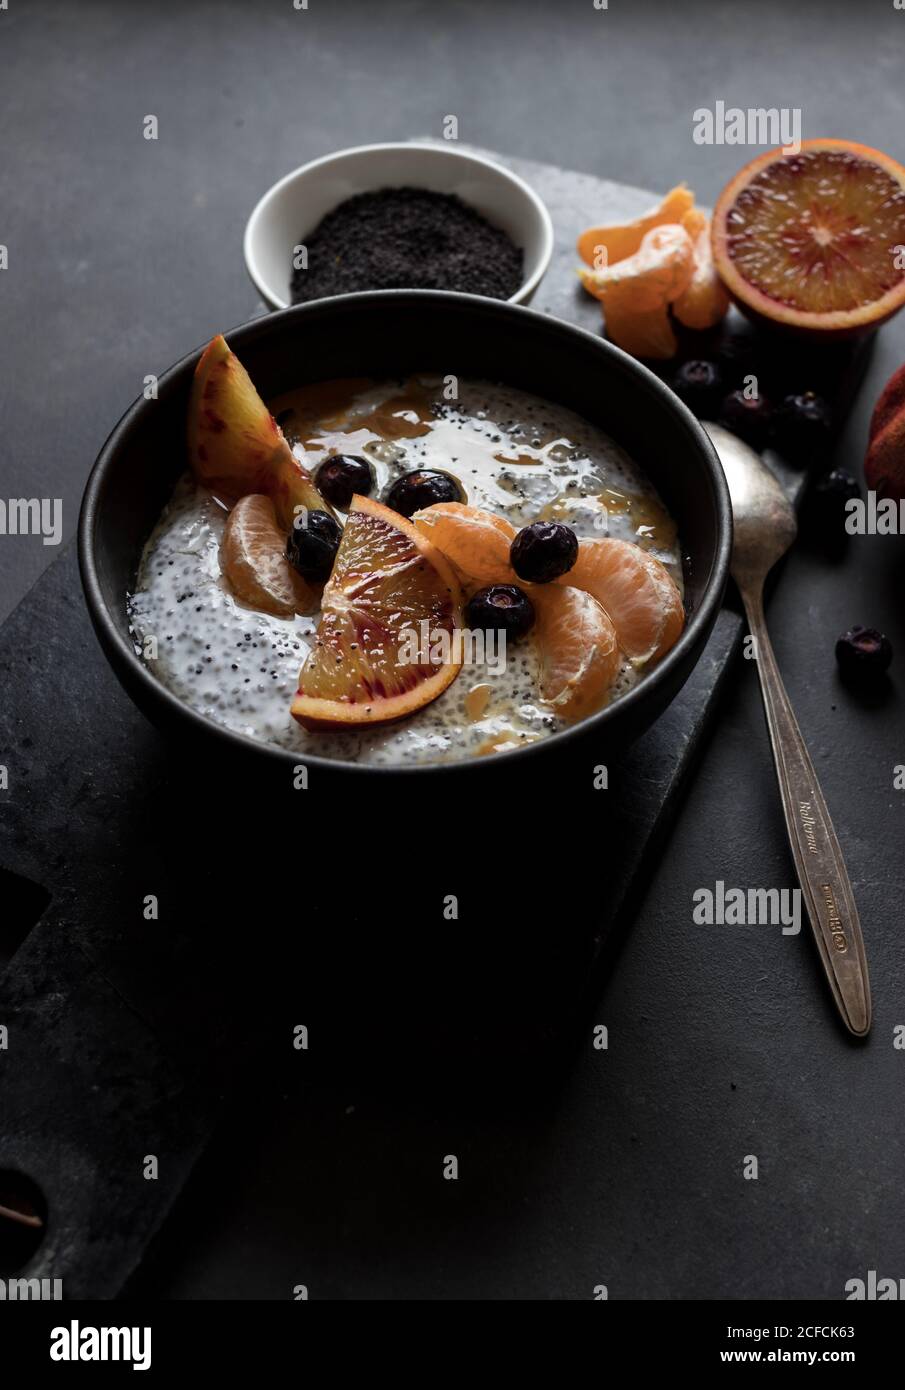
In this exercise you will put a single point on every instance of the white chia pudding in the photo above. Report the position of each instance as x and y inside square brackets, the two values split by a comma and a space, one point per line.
[513, 453]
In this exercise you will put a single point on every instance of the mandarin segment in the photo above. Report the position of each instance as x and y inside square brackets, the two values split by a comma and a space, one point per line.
[476, 541]
[648, 333]
[253, 561]
[390, 608]
[580, 657]
[704, 302]
[636, 590]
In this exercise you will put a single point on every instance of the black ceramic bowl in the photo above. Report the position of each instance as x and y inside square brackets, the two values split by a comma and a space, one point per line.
[387, 334]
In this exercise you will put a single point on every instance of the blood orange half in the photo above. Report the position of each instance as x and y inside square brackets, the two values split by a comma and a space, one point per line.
[815, 241]
[384, 645]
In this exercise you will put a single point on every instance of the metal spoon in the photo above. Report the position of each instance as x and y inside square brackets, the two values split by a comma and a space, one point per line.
[764, 528]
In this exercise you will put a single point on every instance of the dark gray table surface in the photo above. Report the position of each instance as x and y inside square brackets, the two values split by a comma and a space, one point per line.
[122, 254]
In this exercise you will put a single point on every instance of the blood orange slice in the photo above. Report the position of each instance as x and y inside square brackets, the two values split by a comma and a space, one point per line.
[384, 645]
[813, 241]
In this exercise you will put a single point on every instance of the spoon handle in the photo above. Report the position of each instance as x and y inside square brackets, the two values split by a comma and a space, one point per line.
[818, 857]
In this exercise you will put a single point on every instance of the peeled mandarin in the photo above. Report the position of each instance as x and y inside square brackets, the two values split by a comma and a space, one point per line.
[658, 272]
[619, 240]
[635, 293]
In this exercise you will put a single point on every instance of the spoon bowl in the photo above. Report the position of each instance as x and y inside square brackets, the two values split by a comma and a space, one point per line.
[763, 518]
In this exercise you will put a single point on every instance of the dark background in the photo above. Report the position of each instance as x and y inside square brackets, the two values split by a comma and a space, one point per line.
[124, 254]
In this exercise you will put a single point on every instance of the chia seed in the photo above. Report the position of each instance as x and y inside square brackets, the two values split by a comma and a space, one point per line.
[407, 238]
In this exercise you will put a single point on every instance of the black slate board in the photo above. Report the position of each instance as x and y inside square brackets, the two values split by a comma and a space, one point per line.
[125, 1034]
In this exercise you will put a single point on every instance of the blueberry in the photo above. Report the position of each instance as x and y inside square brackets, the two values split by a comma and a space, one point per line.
[342, 475]
[699, 385]
[747, 416]
[423, 488]
[863, 654]
[543, 551]
[827, 504]
[312, 545]
[502, 606]
[803, 427]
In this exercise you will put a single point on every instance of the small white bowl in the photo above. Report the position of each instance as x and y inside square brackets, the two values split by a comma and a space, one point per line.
[292, 208]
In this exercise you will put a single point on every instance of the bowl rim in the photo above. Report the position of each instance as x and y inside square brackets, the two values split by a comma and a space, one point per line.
[261, 207]
[132, 670]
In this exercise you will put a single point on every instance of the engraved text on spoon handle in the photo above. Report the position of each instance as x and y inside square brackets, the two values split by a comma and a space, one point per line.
[818, 856]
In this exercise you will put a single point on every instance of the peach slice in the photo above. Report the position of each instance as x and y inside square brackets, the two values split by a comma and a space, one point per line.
[580, 655]
[236, 447]
[637, 592]
[704, 302]
[624, 239]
